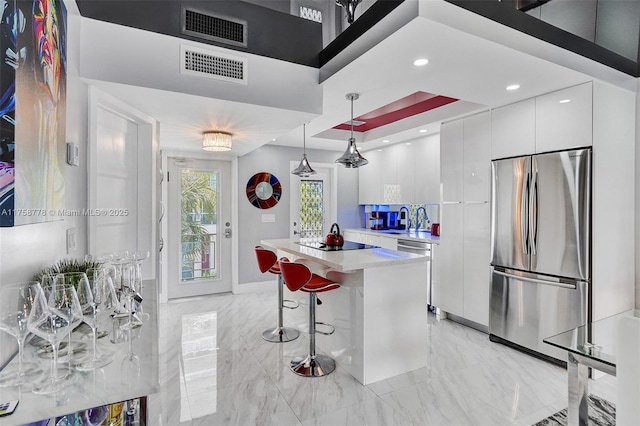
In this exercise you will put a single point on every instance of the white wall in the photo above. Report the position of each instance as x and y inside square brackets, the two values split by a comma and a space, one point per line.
[275, 160]
[637, 203]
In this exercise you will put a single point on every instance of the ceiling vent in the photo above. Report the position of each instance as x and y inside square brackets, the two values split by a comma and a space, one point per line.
[216, 65]
[218, 28]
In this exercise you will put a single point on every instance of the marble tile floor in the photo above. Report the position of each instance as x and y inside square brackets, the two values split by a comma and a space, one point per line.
[215, 369]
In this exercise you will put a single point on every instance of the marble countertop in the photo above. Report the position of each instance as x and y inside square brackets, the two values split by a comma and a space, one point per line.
[347, 260]
[119, 381]
[401, 235]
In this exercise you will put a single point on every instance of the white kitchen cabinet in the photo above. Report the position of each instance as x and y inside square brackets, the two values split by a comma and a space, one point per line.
[387, 242]
[402, 155]
[476, 259]
[369, 186]
[513, 129]
[564, 119]
[476, 183]
[451, 155]
[426, 159]
[448, 273]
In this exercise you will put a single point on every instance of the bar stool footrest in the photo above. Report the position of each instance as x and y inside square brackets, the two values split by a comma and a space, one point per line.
[326, 333]
[294, 304]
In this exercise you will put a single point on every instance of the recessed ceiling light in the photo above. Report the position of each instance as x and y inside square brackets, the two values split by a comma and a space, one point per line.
[423, 131]
[385, 141]
[513, 87]
[420, 62]
[273, 140]
[379, 150]
[408, 143]
[564, 101]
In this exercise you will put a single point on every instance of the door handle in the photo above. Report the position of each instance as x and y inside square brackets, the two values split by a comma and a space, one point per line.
[227, 232]
[524, 214]
[533, 212]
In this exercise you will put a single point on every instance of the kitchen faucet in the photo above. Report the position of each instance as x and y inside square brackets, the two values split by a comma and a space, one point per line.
[426, 217]
[408, 216]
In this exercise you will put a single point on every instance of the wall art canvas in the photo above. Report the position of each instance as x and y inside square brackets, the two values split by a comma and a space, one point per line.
[32, 110]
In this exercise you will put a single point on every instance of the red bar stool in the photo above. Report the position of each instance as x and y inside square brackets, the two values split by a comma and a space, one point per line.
[298, 277]
[268, 261]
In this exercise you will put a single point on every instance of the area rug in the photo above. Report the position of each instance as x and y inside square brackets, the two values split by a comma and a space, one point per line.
[601, 413]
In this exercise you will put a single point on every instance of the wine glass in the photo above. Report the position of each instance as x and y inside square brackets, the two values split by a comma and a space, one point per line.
[130, 288]
[94, 298]
[51, 320]
[137, 259]
[73, 279]
[16, 302]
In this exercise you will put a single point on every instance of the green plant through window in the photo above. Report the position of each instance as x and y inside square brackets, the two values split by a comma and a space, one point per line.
[199, 203]
[311, 208]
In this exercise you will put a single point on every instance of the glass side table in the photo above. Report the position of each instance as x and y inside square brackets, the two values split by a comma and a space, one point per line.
[591, 345]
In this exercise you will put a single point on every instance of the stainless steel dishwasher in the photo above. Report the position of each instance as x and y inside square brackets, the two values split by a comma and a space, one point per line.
[423, 248]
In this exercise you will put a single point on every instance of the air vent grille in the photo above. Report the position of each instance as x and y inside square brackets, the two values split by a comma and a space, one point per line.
[216, 28]
[215, 65]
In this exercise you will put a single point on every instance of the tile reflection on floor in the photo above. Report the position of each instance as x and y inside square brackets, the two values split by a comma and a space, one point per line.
[215, 369]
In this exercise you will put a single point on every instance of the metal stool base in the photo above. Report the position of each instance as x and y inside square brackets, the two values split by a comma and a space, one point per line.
[316, 366]
[280, 334]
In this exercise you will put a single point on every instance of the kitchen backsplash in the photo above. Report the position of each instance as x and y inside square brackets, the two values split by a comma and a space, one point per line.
[432, 210]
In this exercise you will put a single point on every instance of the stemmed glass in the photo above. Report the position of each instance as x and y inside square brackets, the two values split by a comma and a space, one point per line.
[16, 302]
[51, 320]
[130, 288]
[96, 296]
[137, 259]
[73, 279]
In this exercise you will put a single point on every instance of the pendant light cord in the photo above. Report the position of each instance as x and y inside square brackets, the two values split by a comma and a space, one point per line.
[352, 117]
[304, 138]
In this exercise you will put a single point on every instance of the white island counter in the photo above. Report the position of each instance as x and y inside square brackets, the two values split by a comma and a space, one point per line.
[379, 312]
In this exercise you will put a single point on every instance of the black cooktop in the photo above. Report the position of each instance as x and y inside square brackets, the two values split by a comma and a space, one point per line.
[348, 245]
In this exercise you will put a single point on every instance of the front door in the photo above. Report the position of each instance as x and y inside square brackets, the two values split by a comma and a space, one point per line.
[199, 214]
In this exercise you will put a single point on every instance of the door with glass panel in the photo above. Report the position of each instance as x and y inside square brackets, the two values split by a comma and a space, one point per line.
[199, 237]
[313, 203]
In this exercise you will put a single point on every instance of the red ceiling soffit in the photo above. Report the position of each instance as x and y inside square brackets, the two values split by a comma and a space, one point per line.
[411, 105]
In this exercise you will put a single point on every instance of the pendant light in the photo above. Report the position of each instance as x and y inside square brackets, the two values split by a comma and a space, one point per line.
[351, 158]
[304, 169]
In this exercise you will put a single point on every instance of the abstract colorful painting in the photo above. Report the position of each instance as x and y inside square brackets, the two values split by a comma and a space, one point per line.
[33, 110]
[264, 190]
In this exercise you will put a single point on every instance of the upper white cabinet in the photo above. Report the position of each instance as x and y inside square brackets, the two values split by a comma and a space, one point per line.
[564, 119]
[477, 157]
[451, 154]
[369, 187]
[402, 173]
[513, 129]
[552, 122]
[426, 160]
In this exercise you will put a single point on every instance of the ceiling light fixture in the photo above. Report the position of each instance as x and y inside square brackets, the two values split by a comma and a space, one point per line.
[350, 7]
[385, 141]
[216, 141]
[423, 131]
[351, 158]
[420, 62]
[304, 169]
[513, 87]
[564, 101]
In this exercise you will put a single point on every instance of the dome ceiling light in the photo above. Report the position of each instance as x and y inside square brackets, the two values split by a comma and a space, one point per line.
[351, 158]
[216, 141]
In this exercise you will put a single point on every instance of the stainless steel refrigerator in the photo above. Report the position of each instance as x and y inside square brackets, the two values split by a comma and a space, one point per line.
[541, 248]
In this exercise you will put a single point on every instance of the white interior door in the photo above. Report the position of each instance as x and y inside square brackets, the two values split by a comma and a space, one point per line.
[199, 220]
[313, 205]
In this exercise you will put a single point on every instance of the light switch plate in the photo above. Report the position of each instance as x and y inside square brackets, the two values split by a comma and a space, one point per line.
[71, 240]
[73, 154]
[268, 218]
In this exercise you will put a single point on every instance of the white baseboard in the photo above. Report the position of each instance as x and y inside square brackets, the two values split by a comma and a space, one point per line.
[270, 286]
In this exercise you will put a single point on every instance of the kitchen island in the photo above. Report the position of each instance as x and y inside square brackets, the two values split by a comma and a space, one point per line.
[379, 312]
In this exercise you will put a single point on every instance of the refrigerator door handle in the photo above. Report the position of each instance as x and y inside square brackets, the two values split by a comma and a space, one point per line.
[533, 211]
[524, 215]
[534, 280]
